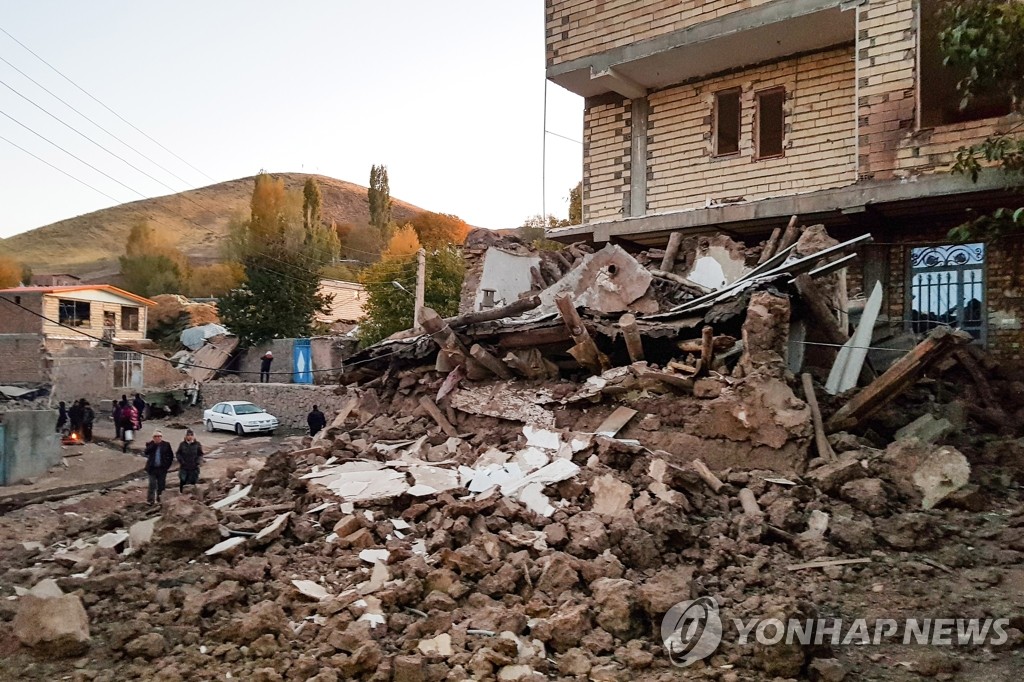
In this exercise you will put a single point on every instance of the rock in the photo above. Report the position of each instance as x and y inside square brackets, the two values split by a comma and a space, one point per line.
[186, 527]
[56, 626]
[867, 494]
[707, 388]
[968, 498]
[667, 588]
[617, 610]
[266, 675]
[266, 617]
[926, 429]
[574, 662]
[826, 670]
[140, 534]
[852, 535]
[611, 496]
[587, 535]
[151, 645]
[831, 477]
[565, 627]
[634, 656]
[519, 673]
[907, 532]
[408, 669]
[558, 574]
[944, 472]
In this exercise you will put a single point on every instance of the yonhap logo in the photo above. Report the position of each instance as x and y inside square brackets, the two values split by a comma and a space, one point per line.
[691, 631]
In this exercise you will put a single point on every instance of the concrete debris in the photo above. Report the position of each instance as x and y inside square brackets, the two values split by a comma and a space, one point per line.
[470, 522]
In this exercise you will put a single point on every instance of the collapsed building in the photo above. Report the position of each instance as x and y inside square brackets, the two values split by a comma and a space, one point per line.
[524, 491]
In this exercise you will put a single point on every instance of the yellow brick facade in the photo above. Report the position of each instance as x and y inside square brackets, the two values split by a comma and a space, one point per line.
[581, 28]
[819, 143]
[97, 309]
[606, 159]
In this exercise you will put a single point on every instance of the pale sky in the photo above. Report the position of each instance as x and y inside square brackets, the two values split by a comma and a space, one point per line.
[449, 94]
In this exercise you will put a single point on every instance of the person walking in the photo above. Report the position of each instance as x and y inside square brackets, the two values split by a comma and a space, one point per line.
[88, 418]
[316, 421]
[190, 456]
[115, 416]
[265, 363]
[140, 406]
[159, 457]
[62, 416]
[129, 423]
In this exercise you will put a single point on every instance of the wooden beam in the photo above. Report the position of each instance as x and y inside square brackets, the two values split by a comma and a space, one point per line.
[902, 374]
[820, 439]
[493, 364]
[511, 310]
[771, 246]
[749, 503]
[585, 351]
[692, 287]
[707, 476]
[790, 236]
[673, 380]
[442, 421]
[826, 563]
[968, 362]
[671, 251]
[706, 350]
[819, 311]
[634, 344]
[442, 334]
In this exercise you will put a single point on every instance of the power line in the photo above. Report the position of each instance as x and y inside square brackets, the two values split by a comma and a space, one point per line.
[77, 111]
[59, 170]
[88, 94]
[168, 360]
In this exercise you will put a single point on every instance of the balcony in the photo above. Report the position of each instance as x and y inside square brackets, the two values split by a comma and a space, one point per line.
[735, 40]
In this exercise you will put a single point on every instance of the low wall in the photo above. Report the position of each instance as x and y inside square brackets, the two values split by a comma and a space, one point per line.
[30, 445]
[290, 403]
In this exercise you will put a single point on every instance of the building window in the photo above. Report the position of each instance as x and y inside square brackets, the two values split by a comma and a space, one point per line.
[770, 123]
[939, 97]
[127, 369]
[727, 122]
[129, 318]
[74, 313]
[947, 288]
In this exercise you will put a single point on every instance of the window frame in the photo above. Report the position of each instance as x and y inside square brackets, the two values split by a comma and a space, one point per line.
[911, 270]
[777, 90]
[716, 119]
[75, 320]
[137, 316]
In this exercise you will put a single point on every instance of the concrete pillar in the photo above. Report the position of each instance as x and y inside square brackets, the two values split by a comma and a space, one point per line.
[638, 157]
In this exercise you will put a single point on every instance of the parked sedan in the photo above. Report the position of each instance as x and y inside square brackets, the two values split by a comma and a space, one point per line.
[240, 417]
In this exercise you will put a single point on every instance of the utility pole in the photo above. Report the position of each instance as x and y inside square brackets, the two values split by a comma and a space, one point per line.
[421, 286]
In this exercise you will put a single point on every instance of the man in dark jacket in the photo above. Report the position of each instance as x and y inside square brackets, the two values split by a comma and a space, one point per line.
[75, 417]
[140, 406]
[88, 417]
[62, 416]
[265, 363]
[316, 421]
[159, 457]
[190, 456]
[115, 416]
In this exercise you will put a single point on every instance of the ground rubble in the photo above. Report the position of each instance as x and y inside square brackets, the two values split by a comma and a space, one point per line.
[541, 525]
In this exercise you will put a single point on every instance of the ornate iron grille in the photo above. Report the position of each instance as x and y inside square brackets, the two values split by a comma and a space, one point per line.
[947, 287]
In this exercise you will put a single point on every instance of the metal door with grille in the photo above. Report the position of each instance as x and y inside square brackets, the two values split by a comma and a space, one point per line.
[127, 369]
[947, 287]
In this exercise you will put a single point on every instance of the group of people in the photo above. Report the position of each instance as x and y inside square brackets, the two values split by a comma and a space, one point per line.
[127, 417]
[160, 457]
[77, 419]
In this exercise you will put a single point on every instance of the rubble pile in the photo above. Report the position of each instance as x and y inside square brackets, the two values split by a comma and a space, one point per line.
[526, 498]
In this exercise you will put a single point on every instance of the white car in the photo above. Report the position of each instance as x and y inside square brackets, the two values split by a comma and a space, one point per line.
[240, 417]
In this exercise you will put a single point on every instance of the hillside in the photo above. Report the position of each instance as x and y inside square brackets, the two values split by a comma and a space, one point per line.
[90, 244]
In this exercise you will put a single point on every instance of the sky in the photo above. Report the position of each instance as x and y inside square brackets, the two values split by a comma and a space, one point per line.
[449, 94]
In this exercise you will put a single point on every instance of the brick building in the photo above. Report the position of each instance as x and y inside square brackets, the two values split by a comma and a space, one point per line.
[733, 115]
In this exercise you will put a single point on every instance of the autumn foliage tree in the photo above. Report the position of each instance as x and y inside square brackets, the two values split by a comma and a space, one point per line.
[434, 229]
[152, 264]
[11, 272]
[389, 308]
[283, 254]
[379, 196]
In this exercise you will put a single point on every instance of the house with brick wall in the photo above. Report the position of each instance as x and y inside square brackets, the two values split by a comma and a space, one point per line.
[734, 115]
[83, 340]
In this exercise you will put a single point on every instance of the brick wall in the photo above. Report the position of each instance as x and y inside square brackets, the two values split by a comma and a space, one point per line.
[21, 359]
[15, 320]
[819, 141]
[891, 145]
[580, 28]
[606, 157]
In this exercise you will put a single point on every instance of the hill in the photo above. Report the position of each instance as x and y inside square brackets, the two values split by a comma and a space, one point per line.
[89, 245]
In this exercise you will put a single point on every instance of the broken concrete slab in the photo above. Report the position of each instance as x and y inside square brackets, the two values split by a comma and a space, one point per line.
[611, 496]
[57, 626]
[225, 546]
[940, 475]
[311, 589]
[926, 428]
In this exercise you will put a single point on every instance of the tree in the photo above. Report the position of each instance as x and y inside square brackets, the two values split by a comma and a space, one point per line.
[312, 200]
[576, 204]
[438, 229]
[282, 261]
[215, 279]
[152, 264]
[534, 229]
[390, 309]
[379, 196]
[984, 39]
[10, 273]
[403, 243]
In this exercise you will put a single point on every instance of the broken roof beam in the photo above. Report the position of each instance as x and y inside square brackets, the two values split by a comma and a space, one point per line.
[516, 309]
[668, 262]
[634, 342]
[937, 345]
[585, 351]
